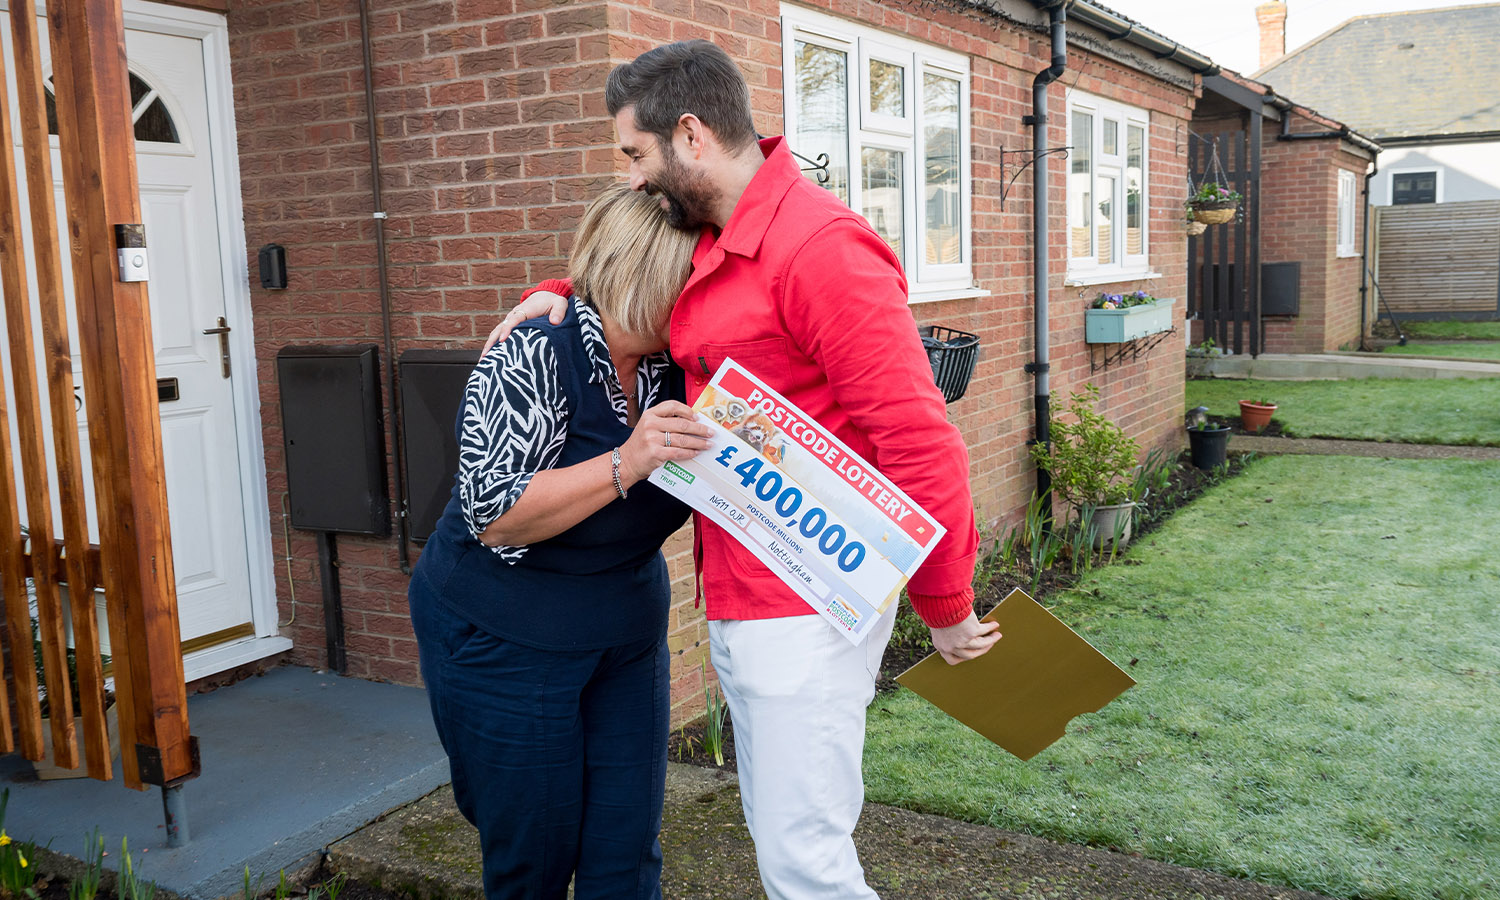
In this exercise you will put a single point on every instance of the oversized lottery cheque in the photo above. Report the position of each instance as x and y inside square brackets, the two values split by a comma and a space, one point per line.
[838, 532]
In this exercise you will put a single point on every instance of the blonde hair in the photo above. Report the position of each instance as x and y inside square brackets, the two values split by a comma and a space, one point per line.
[628, 261]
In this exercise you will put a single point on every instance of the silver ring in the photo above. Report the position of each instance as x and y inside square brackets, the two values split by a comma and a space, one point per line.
[668, 437]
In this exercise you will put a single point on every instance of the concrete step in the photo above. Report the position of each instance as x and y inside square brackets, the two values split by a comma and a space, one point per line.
[1322, 366]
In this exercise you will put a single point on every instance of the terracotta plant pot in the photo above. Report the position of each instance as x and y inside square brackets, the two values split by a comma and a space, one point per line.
[1255, 416]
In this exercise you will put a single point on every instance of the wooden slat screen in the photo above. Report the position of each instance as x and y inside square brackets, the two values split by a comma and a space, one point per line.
[1439, 258]
[133, 562]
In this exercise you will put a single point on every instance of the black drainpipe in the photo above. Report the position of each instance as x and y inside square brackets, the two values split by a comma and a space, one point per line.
[398, 463]
[1364, 255]
[1039, 209]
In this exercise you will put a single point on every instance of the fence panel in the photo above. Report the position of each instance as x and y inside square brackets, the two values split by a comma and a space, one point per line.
[1441, 259]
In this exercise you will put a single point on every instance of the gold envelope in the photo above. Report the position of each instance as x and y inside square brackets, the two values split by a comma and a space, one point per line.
[1022, 693]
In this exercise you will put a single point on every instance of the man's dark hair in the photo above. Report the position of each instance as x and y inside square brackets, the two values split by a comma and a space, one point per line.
[686, 77]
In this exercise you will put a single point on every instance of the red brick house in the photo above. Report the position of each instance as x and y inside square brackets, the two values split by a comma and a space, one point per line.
[490, 135]
[1286, 276]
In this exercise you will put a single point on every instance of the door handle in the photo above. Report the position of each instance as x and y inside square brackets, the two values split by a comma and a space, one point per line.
[223, 332]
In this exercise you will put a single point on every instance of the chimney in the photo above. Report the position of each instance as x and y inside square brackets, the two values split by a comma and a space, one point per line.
[1272, 19]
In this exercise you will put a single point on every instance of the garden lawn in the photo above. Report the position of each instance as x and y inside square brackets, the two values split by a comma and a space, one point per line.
[1318, 655]
[1455, 349]
[1407, 410]
[1452, 330]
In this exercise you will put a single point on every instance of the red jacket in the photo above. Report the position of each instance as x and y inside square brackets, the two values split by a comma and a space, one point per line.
[802, 292]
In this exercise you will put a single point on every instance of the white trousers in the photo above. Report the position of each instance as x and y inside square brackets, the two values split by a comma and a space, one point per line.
[797, 693]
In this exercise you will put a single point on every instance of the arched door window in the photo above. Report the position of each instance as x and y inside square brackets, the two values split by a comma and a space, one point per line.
[152, 120]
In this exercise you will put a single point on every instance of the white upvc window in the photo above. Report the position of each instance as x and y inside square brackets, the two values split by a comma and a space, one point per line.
[893, 116]
[1109, 206]
[1347, 195]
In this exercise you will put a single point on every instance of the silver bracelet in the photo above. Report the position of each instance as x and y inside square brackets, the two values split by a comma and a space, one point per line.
[614, 471]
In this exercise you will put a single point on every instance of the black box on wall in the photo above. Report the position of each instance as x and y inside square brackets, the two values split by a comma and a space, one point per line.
[1280, 288]
[432, 389]
[334, 435]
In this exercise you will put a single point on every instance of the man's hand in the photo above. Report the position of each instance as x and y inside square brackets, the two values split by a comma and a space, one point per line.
[555, 306]
[968, 639]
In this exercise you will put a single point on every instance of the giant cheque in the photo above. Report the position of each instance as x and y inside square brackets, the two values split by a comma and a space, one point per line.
[834, 529]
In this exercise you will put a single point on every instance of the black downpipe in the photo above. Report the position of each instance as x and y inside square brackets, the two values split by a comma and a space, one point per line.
[333, 602]
[1039, 210]
[1364, 256]
[398, 457]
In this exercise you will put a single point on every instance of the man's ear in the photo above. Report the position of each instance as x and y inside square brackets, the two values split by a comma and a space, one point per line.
[693, 135]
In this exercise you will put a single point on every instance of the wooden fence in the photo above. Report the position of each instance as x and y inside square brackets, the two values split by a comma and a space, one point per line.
[133, 563]
[1439, 260]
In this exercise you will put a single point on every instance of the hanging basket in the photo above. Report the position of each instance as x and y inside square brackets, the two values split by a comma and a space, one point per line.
[1215, 213]
[953, 354]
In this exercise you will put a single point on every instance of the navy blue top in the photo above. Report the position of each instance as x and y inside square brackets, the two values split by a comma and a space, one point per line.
[602, 582]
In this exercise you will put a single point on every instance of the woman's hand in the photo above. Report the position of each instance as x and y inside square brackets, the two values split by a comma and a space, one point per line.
[667, 431]
[553, 306]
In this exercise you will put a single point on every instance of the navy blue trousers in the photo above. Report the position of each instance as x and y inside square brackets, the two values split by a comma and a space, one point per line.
[558, 758]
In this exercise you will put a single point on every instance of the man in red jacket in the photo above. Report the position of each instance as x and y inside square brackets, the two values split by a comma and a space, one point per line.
[797, 288]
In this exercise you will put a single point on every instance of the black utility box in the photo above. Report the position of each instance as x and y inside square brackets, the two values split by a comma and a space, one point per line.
[1280, 288]
[335, 438]
[432, 392]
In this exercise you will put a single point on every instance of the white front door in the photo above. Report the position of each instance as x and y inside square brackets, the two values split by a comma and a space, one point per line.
[205, 494]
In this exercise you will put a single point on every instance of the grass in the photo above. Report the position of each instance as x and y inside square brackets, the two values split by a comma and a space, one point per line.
[1409, 410]
[1460, 349]
[1319, 692]
[1449, 330]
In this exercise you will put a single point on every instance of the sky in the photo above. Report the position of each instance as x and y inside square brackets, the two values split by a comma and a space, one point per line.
[1225, 30]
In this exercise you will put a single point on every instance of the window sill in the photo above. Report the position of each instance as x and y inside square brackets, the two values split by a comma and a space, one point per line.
[1115, 277]
[934, 296]
[1346, 254]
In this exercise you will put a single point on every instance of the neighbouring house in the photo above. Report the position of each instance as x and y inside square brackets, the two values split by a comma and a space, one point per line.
[275, 252]
[1287, 276]
[1422, 85]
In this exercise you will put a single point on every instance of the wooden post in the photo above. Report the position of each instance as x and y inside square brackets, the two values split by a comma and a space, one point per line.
[119, 377]
[33, 453]
[31, 104]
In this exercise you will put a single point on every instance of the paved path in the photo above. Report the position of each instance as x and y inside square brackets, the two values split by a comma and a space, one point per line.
[429, 849]
[1323, 366]
[1381, 449]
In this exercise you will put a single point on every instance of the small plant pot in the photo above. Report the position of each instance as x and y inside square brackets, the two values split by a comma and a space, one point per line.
[46, 771]
[1110, 521]
[1209, 446]
[1255, 416]
[1195, 228]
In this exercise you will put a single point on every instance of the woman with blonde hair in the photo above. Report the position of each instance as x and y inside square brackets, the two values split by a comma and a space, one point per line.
[540, 602]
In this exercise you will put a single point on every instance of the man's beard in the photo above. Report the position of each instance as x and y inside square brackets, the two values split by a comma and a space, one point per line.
[689, 197]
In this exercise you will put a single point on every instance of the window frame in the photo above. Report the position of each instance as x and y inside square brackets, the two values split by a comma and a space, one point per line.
[1347, 216]
[861, 43]
[1437, 183]
[1123, 266]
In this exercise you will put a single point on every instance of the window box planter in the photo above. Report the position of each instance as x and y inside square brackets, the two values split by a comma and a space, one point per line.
[1116, 326]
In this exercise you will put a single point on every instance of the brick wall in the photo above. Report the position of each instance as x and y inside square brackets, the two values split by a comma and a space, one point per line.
[494, 136]
[1299, 223]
